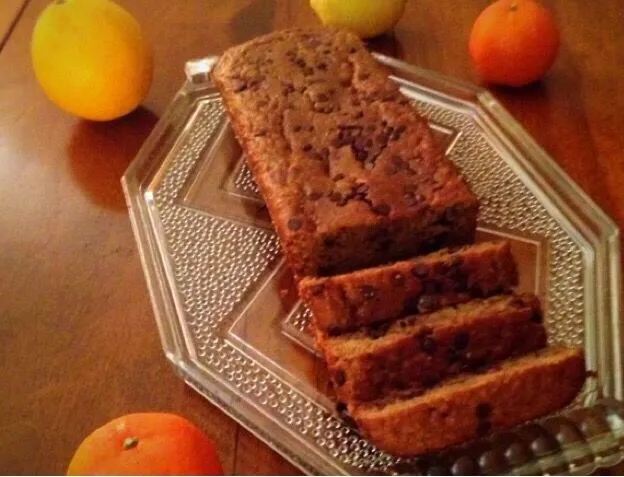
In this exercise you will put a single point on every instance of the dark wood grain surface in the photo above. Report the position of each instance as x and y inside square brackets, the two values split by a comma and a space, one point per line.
[78, 341]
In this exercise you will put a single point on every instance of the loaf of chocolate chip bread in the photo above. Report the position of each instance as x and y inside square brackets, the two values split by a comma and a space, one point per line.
[470, 406]
[420, 285]
[348, 168]
[417, 352]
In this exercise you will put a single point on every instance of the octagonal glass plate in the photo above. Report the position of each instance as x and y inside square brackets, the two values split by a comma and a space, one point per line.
[232, 326]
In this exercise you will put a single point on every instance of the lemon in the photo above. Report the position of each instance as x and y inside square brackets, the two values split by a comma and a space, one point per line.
[367, 18]
[91, 58]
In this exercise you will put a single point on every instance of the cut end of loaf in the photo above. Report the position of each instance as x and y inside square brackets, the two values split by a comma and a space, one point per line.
[469, 407]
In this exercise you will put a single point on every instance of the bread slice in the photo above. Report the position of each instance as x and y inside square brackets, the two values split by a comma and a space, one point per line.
[419, 351]
[423, 284]
[471, 406]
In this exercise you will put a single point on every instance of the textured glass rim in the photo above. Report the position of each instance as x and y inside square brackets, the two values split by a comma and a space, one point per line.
[603, 235]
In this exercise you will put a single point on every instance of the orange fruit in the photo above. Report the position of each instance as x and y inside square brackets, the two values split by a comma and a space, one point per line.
[91, 58]
[146, 444]
[514, 42]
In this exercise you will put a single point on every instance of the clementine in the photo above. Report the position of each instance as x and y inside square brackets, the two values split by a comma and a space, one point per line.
[514, 42]
[146, 444]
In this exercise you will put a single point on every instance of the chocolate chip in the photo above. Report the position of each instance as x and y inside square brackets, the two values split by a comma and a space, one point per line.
[410, 306]
[483, 410]
[352, 50]
[297, 128]
[411, 198]
[453, 267]
[341, 409]
[322, 97]
[391, 170]
[338, 177]
[453, 356]
[339, 377]
[322, 66]
[330, 242]
[383, 138]
[381, 209]
[378, 330]
[324, 152]
[349, 421]
[295, 223]
[341, 141]
[289, 88]
[261, 132]
[361, 155]
[428, 344]
[238, 85]
[537, 317]
[361, 188]
[483, 427]
[317, 289]
[307, 147]
[461, 340]
[315, 195]
[431, 287]
[335, 197]
[360, 143]
[419, 270]
[428, 303]
[300, 62]
[368, 292]
[397, 133]
[398, 279]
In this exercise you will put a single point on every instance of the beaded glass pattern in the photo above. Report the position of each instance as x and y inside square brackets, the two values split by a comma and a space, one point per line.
[232, 325]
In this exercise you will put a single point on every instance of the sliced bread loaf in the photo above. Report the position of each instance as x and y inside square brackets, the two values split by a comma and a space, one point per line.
[418, 351]
[419, 285]
[469, 406]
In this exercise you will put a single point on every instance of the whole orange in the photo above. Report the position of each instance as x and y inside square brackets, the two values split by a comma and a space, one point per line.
[146, 444]
[514, 42]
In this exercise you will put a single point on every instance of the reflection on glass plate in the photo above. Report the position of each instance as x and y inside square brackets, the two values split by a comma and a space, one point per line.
[232, 325]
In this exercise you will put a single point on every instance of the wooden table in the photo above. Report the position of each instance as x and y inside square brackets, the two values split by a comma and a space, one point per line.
[78, 342]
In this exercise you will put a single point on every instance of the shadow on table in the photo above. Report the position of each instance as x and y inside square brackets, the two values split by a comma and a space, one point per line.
[99, 154]
[386, 44]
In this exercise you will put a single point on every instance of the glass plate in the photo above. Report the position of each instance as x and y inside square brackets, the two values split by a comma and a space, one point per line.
[231, 323]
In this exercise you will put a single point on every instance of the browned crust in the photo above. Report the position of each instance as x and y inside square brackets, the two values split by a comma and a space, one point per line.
[340, 201]
[433, 347]
[423, 284]
[521, 390]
